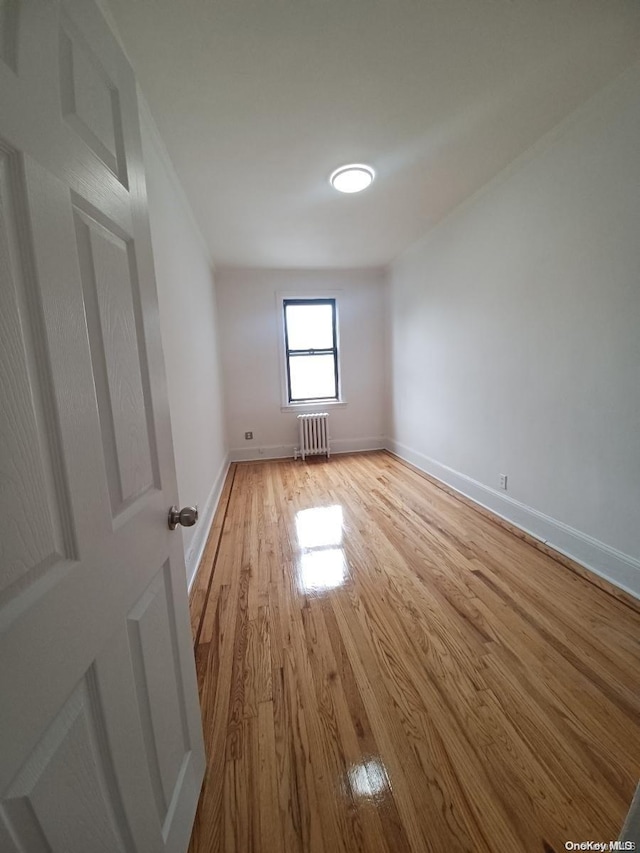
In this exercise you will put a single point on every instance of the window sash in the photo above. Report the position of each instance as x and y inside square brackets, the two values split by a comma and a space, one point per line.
[309, 353]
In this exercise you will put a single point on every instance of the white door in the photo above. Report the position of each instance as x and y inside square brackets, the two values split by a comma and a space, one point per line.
[100, 736]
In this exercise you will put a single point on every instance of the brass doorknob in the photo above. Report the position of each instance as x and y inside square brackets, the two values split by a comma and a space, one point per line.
[187, 516]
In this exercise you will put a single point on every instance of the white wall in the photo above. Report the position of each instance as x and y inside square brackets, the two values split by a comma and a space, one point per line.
[188, 321]
[515, 339]
[252, 357]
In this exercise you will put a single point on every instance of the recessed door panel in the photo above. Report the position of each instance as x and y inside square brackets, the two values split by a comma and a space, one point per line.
[155, 659]
[90, 101]
[37, 531]
[68, 774]
[109, 280]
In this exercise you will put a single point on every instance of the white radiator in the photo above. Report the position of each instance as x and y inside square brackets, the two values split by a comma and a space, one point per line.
[314, 435]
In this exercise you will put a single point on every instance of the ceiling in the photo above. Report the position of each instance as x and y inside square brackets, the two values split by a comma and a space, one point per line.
[259, 100]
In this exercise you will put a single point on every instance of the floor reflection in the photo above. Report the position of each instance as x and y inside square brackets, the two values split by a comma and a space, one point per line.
[322, 569]
[369, 779]
[321, 564]
[319, 527]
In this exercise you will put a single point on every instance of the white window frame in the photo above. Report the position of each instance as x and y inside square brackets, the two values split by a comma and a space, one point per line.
[321, 405]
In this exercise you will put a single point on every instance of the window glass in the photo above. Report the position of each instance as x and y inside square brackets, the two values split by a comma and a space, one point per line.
[311, 349]
[310, 326]
[312, 376]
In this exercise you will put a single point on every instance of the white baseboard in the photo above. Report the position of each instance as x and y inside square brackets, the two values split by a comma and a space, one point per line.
[254, 454]
[206, 513]
[601, 559]
[357, 445]
[285, 451]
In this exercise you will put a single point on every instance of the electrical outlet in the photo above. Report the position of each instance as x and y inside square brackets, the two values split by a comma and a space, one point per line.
[248, 436]
[503, 481]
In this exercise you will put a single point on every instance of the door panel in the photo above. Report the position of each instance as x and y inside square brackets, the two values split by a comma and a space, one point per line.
[38, 532]
[90, 101]
[109, 279]
[155, 661]
[69, 772]
[100, 735]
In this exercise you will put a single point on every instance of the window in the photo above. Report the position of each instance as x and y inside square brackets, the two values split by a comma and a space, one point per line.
[311, 348]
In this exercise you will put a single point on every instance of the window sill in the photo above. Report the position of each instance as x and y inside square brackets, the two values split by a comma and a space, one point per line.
[302, 408]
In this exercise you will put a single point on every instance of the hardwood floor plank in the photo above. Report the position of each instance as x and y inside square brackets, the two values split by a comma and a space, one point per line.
[345, 759]
[436, 723]
[257, 673]
[557, 745]
[271, 835]
[297, 776]
[384, 668]
[244, 823]
[416, 792]
[378, 779]
[235, 724]
[578, 697]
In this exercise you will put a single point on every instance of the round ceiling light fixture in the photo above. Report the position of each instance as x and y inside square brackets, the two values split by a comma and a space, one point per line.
[352, 178]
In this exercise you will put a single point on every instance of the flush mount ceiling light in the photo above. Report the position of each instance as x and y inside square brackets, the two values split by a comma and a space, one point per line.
[352, 178]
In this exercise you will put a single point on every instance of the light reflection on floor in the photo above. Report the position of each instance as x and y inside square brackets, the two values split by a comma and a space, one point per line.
[368, 779]
[319, 527]
[321, 564]
[322, 569]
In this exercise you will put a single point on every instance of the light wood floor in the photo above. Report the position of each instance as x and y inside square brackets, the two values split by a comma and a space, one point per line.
[382, 668]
